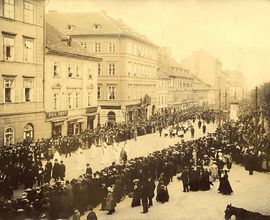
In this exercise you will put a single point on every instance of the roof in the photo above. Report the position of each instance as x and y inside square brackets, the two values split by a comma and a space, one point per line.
[162, 73]
[84, 23]
[199, 84]
[55, 43]
[165, 73]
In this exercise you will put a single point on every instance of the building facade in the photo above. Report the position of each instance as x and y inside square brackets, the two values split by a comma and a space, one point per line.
[127, 76]
[21, 70]
[70, 85]
[162, 89]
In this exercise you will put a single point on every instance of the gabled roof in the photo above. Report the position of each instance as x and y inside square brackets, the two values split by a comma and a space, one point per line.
[56, 43]
[84, 23]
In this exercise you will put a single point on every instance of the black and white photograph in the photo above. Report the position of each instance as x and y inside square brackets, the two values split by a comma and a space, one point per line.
[135, 110]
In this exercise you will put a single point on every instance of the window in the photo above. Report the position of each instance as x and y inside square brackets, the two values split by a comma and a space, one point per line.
[9, 48]
[112, 47]
[111, 69]
[97, 47]
[129, 68]
[56, 72]
[28, 51]
[112, 92]
[9, 137]
[89, 73]
[55, 101]
[83, 44]
[77, 71]
[89, 98]
[97, 26]
[98, 91]
[28, 12]
[77, 100]
[99, 69]
[28, 132]
[70, 26]
[69, 100]
[28, 86]
[9, 90]
[70, 71]
[9, 9]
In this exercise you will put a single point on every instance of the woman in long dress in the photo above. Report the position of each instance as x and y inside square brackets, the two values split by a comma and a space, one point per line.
[225, 186]
[162, 192]
[136, 194]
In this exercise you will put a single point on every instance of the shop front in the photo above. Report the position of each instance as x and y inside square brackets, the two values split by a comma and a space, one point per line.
[57, 129]
[74, 127]
[91, 115]
[57, 120]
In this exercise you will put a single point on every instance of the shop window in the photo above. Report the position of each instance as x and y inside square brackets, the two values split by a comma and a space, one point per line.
[9, 136]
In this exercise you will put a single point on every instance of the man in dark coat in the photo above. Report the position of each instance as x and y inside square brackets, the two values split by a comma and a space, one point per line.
[185, 180]
[151, 190]
[144, 196]
[48, 172]
[56, 170]
[62, 170]
[89, 169]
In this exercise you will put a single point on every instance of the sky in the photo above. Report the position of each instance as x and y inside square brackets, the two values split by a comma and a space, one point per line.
[237, 32]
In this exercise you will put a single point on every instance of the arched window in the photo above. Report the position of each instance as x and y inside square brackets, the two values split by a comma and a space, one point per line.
[28, 131]
[9, 136]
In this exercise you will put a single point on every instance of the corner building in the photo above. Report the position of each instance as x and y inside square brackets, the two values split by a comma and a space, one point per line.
[21, 70]
[127, 76]
[70, 85]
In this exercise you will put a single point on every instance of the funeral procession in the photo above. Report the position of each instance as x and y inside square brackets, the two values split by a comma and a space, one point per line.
[134, 110]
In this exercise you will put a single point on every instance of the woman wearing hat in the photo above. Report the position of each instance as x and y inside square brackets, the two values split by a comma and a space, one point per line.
[110, 202]
[136, 194]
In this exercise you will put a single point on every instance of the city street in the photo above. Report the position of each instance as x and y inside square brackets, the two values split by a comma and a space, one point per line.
[99, 157]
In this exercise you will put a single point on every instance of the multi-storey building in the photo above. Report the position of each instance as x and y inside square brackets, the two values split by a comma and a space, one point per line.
[162, 89]
[70, 85]
[127, 76]
[21, 70]
[180, 81]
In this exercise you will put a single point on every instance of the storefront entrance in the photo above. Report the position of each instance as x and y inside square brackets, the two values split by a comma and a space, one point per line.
[90, 122]
[57, 129]
[111, 118]
[74, 128]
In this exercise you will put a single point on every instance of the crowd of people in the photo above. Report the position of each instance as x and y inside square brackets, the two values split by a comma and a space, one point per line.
[200, 162]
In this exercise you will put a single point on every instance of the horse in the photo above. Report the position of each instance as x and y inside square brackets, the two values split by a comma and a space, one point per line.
[243, 214]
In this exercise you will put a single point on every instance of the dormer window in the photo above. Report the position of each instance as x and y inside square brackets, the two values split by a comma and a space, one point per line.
[97, 26]
[70, 26]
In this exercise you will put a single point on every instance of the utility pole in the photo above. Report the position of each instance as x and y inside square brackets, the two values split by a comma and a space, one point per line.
[219, 109]
[256, 116]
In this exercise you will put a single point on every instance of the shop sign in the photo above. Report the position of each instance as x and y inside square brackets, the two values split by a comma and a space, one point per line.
[91, 110]
[57, 114]
[116, 107]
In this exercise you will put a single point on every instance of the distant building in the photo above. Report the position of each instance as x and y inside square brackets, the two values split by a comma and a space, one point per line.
[70, 85]
[21, 72]
[204, 66]
[162, 89]
[127, 76]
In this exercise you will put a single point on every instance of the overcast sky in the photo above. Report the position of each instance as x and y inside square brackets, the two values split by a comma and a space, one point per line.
[235, 31]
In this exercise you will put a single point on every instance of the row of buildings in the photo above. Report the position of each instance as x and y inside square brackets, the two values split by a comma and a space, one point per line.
[64, 73]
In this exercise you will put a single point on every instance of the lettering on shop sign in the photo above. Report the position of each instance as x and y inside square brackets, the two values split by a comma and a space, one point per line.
[57, 114]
